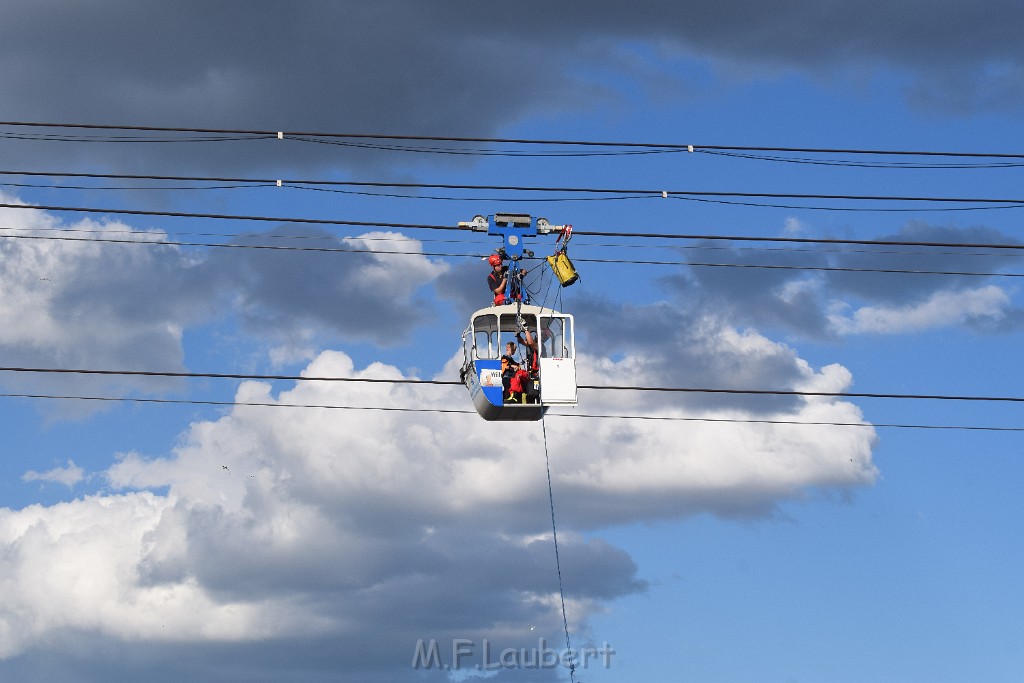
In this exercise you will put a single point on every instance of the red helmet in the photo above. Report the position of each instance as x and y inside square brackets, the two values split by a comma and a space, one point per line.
[494, 260]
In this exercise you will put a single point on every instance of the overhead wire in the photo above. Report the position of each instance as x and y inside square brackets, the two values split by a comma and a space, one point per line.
[423, 226]
[1001, 251]
[152, 188]
[849, 163]
[536, 200]
[420, 253]
[531, 200]
[661, 389]
[426, 226]
[804, 207]
[628, 145]
[945, 246]
[54, 137]
[237, 235]
[824, 269]
[635, 148]
[456, 151]
[653, 150]
[685, 195]
[656, 418]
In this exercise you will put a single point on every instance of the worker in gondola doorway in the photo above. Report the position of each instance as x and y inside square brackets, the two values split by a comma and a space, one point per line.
[510, 368]
[530, 379]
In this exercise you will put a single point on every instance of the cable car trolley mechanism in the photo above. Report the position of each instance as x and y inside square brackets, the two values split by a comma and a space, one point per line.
[502, 384]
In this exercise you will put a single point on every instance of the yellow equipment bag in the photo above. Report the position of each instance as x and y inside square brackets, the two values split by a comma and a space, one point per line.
[563, 268]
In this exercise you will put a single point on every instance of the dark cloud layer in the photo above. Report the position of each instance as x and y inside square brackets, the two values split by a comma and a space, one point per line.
[456, 68]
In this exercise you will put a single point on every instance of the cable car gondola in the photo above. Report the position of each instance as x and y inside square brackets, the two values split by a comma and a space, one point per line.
[552, 358]
[483, 344]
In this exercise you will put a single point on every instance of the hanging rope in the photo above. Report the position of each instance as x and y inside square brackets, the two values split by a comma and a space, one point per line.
[558, 563]
[516, 290]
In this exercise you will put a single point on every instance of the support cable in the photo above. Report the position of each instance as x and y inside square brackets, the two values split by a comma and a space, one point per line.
[603, 233]
[590, 245]
[391, 252]
[281, 135]
[657, 192]
[657, 418]
[558, 562]
[603, 387]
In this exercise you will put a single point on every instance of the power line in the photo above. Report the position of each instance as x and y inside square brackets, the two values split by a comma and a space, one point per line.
[425, 226]
[848, 163]
[797, 240]
[491, 152]
[652, 196]
[441, 227]
[519, 154]
[859, 209]
[827, 269]
[477, 255]
[657, 192]
[659, 418]
[230, 245]
[586, 246]
[218, 216]
[686, 390]
[664, 236]
[150, 233]
[514, 141]
[827, 394]
[390, 252]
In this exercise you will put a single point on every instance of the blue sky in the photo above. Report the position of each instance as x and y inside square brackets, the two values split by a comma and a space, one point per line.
[258, 543]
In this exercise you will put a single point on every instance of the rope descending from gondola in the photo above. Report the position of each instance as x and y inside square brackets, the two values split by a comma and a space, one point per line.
[558, 563]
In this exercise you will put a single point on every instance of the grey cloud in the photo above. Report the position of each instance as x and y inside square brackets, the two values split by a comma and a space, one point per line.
[318, 66]
[797, 302]
[961, 91]
[340, 293]
[1011, 321]
[904, 288]
[450, 583]
[85, 658]
[455, 68]
[127, 306]
[681, 346]
[465, 285]
[758, 297]
[77, 305]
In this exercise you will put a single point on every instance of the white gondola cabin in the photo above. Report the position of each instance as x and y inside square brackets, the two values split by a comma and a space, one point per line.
[553, 376]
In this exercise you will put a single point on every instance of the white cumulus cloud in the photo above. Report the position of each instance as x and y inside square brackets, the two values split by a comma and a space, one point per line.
[69, 476]
[941, 309]
[329, 522]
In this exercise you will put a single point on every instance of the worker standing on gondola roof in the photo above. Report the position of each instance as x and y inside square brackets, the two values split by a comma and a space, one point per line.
[498, 281]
